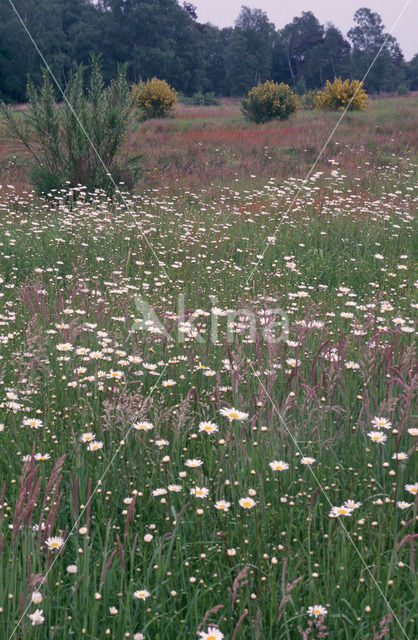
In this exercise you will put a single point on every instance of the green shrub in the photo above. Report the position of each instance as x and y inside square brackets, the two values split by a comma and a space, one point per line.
[200, 99]
[336, 96]
[306, 101]
[77, 145]
[402, 90]
[155, 98]
[269, 101]
[301, 87]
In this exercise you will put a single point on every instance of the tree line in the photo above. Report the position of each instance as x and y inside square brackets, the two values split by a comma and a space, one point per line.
[164, 39]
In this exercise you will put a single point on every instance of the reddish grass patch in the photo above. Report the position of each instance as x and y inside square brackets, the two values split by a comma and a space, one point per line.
[212, 146]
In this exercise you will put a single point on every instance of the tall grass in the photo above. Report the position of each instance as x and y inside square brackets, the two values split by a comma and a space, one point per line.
[72, 356]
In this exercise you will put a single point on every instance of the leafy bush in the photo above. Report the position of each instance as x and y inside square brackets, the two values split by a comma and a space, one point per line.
[200, 99]
[336, 96]
[402, 90]
[306, 101]
[77, 145]
[269, 101]
[155, 98]
[301, 87]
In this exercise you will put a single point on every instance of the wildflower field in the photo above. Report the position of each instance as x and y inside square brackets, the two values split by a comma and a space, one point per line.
[208, 386]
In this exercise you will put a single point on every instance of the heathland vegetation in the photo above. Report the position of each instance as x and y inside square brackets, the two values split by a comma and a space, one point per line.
[207, 353]
[207, 386]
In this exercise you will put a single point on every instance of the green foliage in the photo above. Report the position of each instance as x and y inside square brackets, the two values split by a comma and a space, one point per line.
[250, 48]
[200, 99]
[77, 142]
[402, 89]
[300, 87]
[337, 95]
[307, 100]
[162, 38]
[298, 41]
[154, 98]
[66, 31]
[412, 73]
[269, 101]
[385, 71]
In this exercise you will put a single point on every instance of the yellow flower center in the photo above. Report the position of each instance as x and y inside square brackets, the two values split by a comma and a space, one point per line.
[234, 415]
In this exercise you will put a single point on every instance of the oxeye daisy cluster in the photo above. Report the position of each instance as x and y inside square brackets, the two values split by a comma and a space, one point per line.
[205, 441]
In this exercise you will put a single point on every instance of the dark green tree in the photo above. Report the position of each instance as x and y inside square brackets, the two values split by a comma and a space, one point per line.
[296, 40]
[281, 70]
[163, 38]
[411, 71]
[214, 50]
[186, 72]
[328, 59]
[18, 56]
[83, 32]
[239, 61]
[157, 38]
[250, 50]
[369, 40]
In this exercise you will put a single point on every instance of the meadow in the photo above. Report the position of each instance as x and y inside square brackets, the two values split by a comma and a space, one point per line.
[208, 386]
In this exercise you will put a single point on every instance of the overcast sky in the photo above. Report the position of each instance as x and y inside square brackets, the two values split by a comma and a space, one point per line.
[224, 12]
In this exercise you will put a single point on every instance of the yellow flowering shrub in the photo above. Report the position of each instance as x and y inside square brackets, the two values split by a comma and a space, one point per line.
[336, 96]
[268, 101]
[155, 98]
